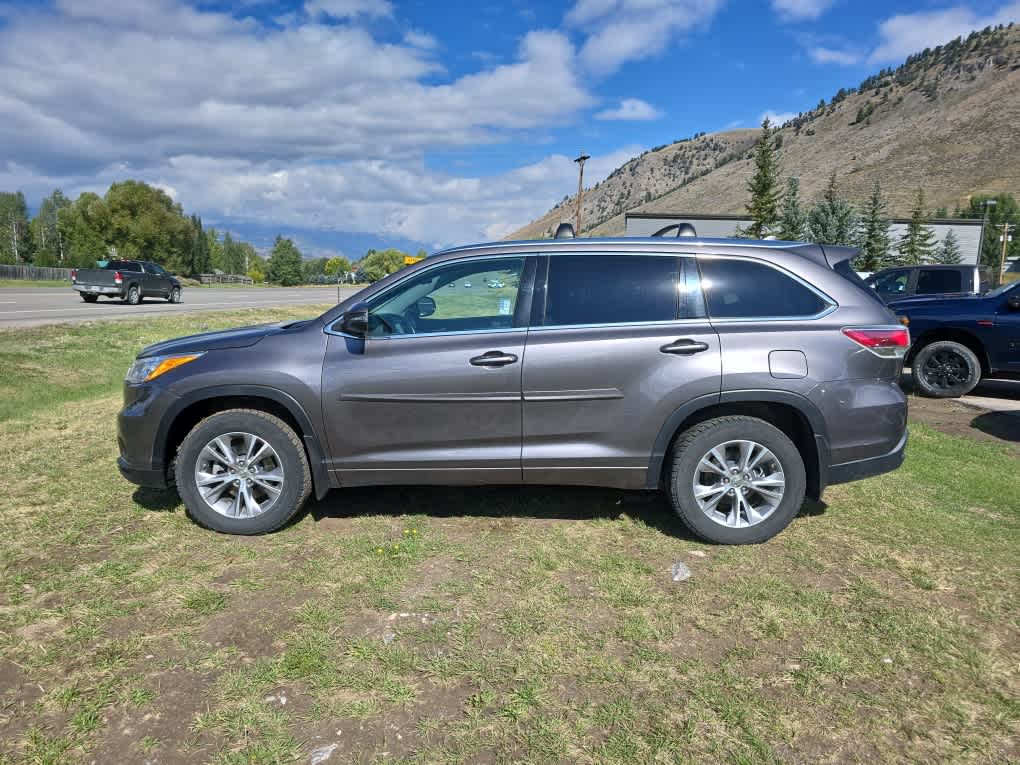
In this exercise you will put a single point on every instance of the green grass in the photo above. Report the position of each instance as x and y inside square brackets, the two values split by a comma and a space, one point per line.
[425, 625]
[35, 283]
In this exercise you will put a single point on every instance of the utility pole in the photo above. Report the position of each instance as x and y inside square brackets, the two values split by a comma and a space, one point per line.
[580, 189]
[984, 222]
[1006, 239]
[14, 237]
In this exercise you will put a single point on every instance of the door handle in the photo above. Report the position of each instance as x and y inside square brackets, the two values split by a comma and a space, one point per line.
[493, 359]
[684, 347]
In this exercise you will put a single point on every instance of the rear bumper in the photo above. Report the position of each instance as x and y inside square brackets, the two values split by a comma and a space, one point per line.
[872, 466]
[97, 290]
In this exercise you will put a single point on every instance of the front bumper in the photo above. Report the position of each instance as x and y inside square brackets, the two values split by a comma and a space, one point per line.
[154, 478]
[96, 290]
[871, 466]
[139, 434]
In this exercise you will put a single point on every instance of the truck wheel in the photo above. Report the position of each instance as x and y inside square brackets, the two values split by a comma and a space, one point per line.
[242, 471]
[134, 295]
[174, 296]
[90, 298]
[736, 480]
[945, 369]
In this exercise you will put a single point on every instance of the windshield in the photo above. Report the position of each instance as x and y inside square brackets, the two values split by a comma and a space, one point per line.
[1002, 290]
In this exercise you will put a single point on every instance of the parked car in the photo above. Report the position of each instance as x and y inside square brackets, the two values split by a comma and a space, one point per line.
[905, 281]
[129, 280]
[957, 341]
[739, 380]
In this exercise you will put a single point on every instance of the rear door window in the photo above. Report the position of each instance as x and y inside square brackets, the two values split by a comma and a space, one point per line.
[611, 288]
[745, 289]
[934, 280]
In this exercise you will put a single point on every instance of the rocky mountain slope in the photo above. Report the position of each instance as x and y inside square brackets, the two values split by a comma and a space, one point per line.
[948, 120]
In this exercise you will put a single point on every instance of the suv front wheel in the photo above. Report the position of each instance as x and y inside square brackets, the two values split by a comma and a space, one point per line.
[736, 480]
[242, 471]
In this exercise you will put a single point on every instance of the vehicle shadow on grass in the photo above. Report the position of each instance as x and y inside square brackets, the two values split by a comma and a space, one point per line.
[570, 503]
[1002, 425]
[538, 502]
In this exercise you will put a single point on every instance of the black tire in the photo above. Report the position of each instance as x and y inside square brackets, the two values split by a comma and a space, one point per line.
[174, 296]
[297, 484]
[133, 296]
[693, 444]
[945, 369]
[89, 298]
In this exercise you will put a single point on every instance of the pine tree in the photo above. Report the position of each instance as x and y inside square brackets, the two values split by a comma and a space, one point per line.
[199, 248]
[917, 245]
[793, 222]
[949, 251]
[284, 263]
[833, 220]
[874, 233]
[764, 185]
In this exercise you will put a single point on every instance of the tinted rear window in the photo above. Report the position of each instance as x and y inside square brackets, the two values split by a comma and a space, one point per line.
[934, 280]
[122, 265]
[743, 289]
[846, 270]
[611, 289]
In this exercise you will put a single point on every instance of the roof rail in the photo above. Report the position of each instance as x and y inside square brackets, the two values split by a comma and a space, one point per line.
[564, 231]
[681, 229]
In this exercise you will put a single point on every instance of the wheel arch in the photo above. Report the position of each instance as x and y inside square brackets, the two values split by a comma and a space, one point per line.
[190, 410]
[792, 413]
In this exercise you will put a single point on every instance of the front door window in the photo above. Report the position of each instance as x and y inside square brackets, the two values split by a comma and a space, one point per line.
[477, 295]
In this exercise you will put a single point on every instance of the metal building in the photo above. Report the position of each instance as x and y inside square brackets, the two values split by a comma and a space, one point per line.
[968, 232]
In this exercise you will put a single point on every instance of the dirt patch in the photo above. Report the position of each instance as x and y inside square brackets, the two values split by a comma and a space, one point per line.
[166, 724]
[953, 418]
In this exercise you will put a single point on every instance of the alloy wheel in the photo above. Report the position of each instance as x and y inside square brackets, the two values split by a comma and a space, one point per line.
[739, 483]
[239, 475]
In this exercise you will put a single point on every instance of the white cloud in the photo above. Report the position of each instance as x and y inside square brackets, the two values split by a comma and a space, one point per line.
[797, 10]
[776, 118]
[630, 109]
[624, 30]
[908, 33]
[317, 124]
[348, 9]
[823, 55]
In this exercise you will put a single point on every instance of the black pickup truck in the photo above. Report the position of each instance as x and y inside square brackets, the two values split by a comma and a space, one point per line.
[129, 280]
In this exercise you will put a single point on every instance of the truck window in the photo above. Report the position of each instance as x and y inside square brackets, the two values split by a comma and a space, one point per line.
[931, 281]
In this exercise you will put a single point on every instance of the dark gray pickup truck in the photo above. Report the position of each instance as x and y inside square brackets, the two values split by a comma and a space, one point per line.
[129, 280]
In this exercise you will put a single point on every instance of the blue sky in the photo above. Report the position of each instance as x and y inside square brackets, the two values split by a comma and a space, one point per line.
[349, 124]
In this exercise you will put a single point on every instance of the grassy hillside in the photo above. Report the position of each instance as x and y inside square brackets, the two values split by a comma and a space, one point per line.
[946, 121]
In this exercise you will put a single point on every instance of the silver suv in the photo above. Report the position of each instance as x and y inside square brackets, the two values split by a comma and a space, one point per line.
[737, 376]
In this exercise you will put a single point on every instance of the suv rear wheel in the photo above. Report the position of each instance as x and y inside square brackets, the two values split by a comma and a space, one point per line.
[242, 471]
[736, 480]
[945, 369]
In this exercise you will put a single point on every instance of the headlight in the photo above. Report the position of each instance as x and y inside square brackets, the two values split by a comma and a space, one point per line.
[152, 367]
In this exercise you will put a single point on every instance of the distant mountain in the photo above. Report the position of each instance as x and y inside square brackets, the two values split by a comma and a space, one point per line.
[947, 120]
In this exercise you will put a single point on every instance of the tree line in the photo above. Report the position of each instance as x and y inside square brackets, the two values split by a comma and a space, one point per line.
[136, 221]
[133, 221]
[776, 209]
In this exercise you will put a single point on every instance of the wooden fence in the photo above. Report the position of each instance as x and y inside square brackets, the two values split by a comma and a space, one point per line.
[34, 272]
[224, 279]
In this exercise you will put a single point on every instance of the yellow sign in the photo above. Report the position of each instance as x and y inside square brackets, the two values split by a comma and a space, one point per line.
[410, 260]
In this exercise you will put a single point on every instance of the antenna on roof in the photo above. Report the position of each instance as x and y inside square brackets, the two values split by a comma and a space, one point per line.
[681, 229]
[564, 231]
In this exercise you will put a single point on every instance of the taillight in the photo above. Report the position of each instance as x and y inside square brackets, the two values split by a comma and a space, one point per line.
[117, 278]
[882, 341]
[74, 274]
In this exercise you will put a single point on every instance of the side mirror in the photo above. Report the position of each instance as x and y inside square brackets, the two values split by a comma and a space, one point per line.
[355, 322]
[426, 306]
[1014, 302]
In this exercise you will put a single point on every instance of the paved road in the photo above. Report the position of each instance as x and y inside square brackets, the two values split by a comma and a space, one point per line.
[31, 306]
[992, 395]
